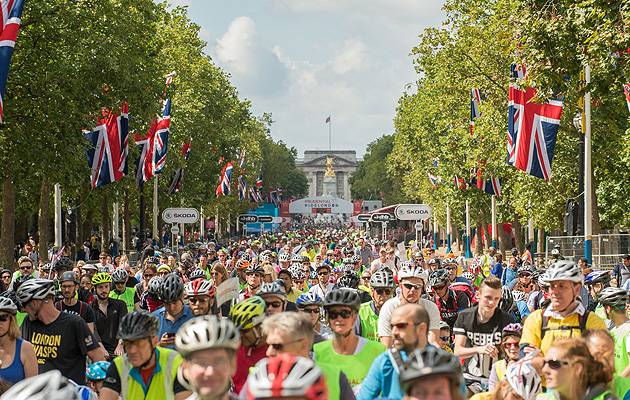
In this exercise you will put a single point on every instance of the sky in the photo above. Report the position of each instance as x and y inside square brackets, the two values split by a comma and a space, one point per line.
[303, 60]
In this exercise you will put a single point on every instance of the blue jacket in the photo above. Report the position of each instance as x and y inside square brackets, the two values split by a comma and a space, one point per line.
[509, 275]
[382, 379]
[497, 270]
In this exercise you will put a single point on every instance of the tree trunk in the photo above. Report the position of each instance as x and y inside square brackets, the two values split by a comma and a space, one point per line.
[87, 224]
[126, 225]
[518, 233]
[505, 241]
[43, 219]
[105, 223]
[7, 241]
[78, 239]
[478, 236]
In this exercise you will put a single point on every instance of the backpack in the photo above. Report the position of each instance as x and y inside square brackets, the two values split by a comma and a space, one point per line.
[581, 327]
[463, 287]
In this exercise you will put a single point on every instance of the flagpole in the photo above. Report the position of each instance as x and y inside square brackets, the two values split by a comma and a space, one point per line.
[330, 133]
[530, 225]
[435, 232]
[201, 226]
[155, 209]
[448, 228]
[588, 205]
[468, 252]
[494, 221]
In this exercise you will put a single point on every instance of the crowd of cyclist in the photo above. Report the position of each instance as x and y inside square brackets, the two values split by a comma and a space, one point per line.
[319, 314]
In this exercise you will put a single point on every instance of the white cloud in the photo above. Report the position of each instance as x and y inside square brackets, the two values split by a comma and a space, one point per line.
[178, 3]
[351, 57]
[235, 47]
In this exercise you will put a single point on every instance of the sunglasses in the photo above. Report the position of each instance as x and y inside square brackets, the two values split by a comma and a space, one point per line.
[383, 292]
[274, 304]
[345, 314]
[555, 364]
[311, 310]
[510, 344]
[439, 287]
[445, 338]
[26, 267]
[323, 273]
[410, 286]
[148, 277]
[4, 317]
[451, 268]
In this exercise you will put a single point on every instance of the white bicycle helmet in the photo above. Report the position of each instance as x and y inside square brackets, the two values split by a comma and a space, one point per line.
[197, 273]
[119, 275]
[564, 271]
[35, 289]
[410, 271]
[382, 279]
[47, 386]
[286, 375]
[154, 286]
[519, 295]
[285, 257]
[297, 272]
[274, 288]
[206, 332]
[199, 287]
[6, 304]
[524, 379]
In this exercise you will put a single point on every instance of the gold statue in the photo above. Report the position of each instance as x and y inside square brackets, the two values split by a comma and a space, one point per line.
[330, 171]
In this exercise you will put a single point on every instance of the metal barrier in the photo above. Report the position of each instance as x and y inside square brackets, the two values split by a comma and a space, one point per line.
[607, 248]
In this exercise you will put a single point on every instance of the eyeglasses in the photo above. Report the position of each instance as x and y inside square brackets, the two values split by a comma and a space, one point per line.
[6, 277]
[196, 300]
[410, 286]
[323, 273]
[280, 346]
[4, 317]
[440, 287]
[383, 292]
[345, 314]
[274, 304]
[451, 268]
[510, 344]
[555, 364]
[23, 267]
[445, 338]
[311, 310]
[102, 258]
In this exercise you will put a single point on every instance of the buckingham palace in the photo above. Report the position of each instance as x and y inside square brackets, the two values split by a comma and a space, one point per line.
[315, 165]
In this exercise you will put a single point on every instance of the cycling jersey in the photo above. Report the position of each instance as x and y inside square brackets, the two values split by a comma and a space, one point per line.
[622, 346]
[449, 308]
[367, 323]
[128, 296]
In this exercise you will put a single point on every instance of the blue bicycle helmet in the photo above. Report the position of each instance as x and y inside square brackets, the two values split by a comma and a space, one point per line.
[97, 371]
[309, 299]
[597, 277]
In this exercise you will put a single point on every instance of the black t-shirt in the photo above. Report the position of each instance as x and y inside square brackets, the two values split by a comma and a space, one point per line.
[477, 368]
[63, 344]
[81, 309]
[131, 282]
[107, 325]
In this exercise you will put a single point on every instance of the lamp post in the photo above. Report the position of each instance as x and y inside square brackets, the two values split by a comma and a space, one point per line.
[579, 223]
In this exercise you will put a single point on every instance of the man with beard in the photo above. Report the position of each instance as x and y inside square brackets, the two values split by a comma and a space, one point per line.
[410, 328]
[108, 314]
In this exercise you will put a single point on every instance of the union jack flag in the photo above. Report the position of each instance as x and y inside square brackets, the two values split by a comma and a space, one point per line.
[11, 22]
[107, 154]
[242, 188]
[532, 130]
[223, 189]
[254, 195]
[626, 92]
[475, 102]
[490, 186]
[186, 150]
[154, 146]
[259, 182]
[435, 180]
[274, 198]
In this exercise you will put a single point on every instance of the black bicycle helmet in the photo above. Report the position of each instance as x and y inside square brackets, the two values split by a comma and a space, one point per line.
[348, 280]
[63, 263]
[138, 325]
[172, 288]
[255, 269]
[68, 276]
[428, 362]
[439, 277]
[507, 299]
[343, 297]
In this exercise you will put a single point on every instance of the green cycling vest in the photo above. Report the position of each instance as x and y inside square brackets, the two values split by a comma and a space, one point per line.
[369, 321]
[161, 383]
[128, 296]
[331, 373]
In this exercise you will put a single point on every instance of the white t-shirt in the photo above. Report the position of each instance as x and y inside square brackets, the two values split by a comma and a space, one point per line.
[385, 316]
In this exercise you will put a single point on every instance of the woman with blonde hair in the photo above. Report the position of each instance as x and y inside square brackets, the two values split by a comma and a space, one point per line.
[17, 358]
[219, 273]
[572, 373]
[270, 273]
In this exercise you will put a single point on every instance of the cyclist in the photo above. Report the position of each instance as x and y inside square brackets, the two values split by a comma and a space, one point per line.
[614, 301]
[275, 297]
[51, 385]
[61, 340]
[151, 297]
[121, 291]
[253, 275]
[509, 350]
[18, 355]
[174, 312]
[351, 353]
[70, 302]
[96, 374]
[200, 295]
[323, 286]
[286, 376]
[108, 312]
[595, 282]
[565, 316]
[448, 301]
[311, 303]
[382, 286]
[145, 371]
[430, 372]
[248, 316]
[208, 341]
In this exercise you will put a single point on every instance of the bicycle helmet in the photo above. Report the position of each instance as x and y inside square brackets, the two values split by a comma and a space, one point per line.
[153, 260]
[427, 362]
[469, 275]
[507, 300]
[7, 305]
[563, 271]
[199, 287]
[309, 299]
[35, 289]
[348, 280]
[154, 286]
[527, 268]
[382, 279]
[450, 261]
[273, 289]
[248, 313]
[138, 325]
[68, 276]
[50, 385]
[296, 258]
[348, 269]
[120, 275]
[343, 297]
[410, 271]
[172, 288]
[312, 275]
[524, 379]
[439, 277]
[519, 295]
[435, 262]
[347, 261]
[297, 272]
[286, 375]
[101, 277]
[255, 269]
[206, 332]
[242, 264]
[197, 273]
[306, 259]
[63, 263]
[97, 371]
[597, 277]
[514, 329]
[613, 297]
[285, 257]
[246, 257]
[356, 259]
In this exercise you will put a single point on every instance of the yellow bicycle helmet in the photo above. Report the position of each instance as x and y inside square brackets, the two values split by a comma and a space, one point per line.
[248, 313]
[101, 277]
